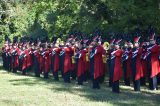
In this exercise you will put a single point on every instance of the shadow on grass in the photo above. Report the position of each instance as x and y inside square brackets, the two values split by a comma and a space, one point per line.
[25, 81]
[1, 67]
[126, 97]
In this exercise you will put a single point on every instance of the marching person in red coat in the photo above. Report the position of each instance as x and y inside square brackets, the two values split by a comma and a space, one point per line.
[15, 58]
[47, 61]
[136, 64]
[55, 61]
[67, 62]
[144, 64]
[116, 55]
[153, 63]
[19, 55]
[8, 57]
[127, 56]
[102, 73]
[41, 59]
[29, 58]
[158, 76]
[98, 64]
[87, 73]
[36, 57]
[23, 56]
[86, 62]
[110, 61]
[73, 69]
[81, 58]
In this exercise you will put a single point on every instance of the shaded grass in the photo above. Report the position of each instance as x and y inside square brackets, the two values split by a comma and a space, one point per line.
[18, 90]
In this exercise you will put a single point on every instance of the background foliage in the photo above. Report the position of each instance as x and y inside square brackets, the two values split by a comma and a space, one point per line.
[41, 18]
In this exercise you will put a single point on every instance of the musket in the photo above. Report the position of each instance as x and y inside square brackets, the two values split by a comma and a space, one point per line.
[21, 55]
[92, 54]
[125, 55]
[43, 53]
[148, 52]
[134, 54]
[112, 54]
[61, 53]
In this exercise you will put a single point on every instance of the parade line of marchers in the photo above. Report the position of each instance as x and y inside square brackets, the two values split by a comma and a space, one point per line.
[81, 60]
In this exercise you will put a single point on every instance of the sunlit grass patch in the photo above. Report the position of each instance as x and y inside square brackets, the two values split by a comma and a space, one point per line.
[18, 90]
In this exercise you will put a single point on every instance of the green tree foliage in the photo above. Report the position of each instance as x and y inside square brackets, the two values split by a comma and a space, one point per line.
[41, 18]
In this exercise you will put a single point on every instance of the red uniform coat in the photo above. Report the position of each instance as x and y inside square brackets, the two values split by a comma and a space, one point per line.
[41, 62]
[154, 60]
[129, 69]
[16, 59]
[24, 64]
[47, 61]
[103, 64]
[29, 58]
[139, 71]
[56, 59]
[144, 64]
[68, 59]
[86, 65]
[98, 62]
[144, 67]
[117, 74]
[159, 61]
[81, 63]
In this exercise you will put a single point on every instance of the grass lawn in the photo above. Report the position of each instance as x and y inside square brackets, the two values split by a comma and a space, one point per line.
[18, 90]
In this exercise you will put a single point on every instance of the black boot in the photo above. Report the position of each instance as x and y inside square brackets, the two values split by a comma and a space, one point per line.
[115, 87]
[46, 75]
[56, 78]
[137, 85]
